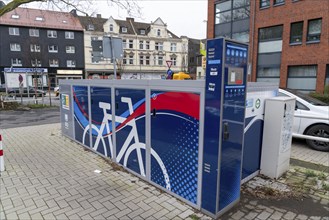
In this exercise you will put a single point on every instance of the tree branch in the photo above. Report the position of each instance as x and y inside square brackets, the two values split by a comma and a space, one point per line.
[14, 4]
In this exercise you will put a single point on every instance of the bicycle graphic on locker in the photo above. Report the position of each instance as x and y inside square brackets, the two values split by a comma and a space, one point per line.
[126, 150]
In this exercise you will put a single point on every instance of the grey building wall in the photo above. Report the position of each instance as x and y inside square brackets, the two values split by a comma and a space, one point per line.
[25, 40]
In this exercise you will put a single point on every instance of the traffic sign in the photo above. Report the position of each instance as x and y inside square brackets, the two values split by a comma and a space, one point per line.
[169, 62]
[169, 74]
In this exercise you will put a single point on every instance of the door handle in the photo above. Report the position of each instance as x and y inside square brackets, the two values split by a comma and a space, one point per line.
[154, 112]
[226, 133]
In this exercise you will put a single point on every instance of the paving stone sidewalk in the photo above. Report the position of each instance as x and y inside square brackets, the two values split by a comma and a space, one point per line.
[49, 176]
[300, 151]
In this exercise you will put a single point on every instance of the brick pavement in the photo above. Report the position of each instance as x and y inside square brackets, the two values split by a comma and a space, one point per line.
[301, 151]
[51, 177]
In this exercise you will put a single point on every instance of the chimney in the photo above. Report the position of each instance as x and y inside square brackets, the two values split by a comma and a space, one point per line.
[98, 16]
[74, 12]
[130, 19]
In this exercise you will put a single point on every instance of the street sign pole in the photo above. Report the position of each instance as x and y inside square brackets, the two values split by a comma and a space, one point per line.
[20, 79]
[113, 59]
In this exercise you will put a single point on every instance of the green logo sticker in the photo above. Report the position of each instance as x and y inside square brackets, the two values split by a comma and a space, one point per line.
[257, 104]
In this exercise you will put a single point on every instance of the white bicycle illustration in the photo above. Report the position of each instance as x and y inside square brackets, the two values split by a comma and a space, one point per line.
[126, 150]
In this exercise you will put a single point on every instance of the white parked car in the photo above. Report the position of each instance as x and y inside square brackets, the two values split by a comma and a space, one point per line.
[311, 118]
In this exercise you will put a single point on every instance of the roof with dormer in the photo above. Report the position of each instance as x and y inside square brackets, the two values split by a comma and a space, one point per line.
[133, 27]
[96, 22]
[41, 19]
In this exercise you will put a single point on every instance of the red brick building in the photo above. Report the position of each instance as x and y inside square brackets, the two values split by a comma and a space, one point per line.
[288, 39]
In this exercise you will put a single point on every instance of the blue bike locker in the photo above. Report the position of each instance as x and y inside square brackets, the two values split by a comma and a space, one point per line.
[185, 137]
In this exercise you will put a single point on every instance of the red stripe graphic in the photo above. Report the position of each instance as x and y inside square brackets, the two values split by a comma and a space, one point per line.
[183, 102]
[1, 153]
[187, 103]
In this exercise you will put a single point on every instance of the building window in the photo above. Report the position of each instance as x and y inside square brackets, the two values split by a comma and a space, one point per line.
[239, 3]
[34, 32]
[314, 30]
[160, 60]
[39, 18]
[173, 61]
[173, 47]
[36, 63]
[147, 60]
[158, 46]
[69, 35]
[15, 16]
[327, 76]
[52, 34]
[264, 3]
[241, 36]
[142, 31]
[270, 33]
[70, 49]
[35, 48]
[124, 60]
[279, 2]
[147, 45]
[131, 59]
[158, 32]
[124, 43]
[13, 31]
[296, 32]
[131, 44]
[52, 48]
[15, 47]
[91, 27]
[141, 45]
[53, 63]
[70, 63]
[223, 12]
[241, 13]
[302, 77]
[141, 60]
[268, 72]
[111, 28]
[224, 5]
[16, 62]
[124, 29]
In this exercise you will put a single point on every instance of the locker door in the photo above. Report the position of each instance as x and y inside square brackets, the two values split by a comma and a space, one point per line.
[175, 142]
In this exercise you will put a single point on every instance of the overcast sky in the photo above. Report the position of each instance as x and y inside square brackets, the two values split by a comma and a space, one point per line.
[183, 17]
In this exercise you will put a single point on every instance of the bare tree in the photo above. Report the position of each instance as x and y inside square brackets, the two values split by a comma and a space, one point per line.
[83, 6]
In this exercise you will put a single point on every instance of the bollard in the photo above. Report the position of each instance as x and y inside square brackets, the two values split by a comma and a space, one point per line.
[2, 162]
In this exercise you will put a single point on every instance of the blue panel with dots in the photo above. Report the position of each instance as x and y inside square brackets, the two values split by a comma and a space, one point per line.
[175, 138]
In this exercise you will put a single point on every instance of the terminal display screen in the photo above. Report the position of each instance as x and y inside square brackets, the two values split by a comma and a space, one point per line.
[235, 76]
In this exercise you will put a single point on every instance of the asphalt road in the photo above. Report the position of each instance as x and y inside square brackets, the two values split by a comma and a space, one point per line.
[23, 118]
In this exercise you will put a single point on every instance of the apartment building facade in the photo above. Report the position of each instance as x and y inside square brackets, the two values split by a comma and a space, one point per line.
[40, 44]
[147, 48]
[288, 39]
